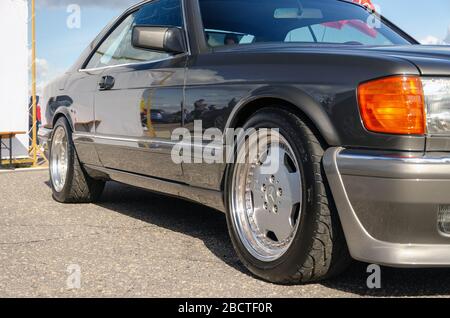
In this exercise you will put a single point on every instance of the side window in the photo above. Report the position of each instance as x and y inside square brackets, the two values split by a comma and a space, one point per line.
[349, 31]
[161, 13]
[219, 38]
[117, 49]
[300, 35]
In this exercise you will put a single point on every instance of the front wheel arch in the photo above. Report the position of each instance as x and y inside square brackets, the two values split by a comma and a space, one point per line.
[289, 99]
[243, 113]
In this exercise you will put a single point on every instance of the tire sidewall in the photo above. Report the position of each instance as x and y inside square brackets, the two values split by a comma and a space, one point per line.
[297, 254]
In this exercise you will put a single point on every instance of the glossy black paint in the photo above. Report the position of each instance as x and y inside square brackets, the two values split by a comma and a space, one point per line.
[129, 121]
[128, 126]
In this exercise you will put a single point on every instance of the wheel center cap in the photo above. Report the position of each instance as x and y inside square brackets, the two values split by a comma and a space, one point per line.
[271, 195]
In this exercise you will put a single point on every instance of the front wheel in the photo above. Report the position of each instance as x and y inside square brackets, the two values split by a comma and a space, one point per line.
[282, 222]
[70, 183]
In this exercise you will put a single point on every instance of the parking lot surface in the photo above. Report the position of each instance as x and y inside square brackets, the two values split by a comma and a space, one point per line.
[137, 244]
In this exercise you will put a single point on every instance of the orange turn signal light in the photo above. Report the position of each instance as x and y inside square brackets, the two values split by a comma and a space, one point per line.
[393, 105]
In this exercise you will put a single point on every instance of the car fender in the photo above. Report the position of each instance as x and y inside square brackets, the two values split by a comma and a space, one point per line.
[63, 111]
[313, 110]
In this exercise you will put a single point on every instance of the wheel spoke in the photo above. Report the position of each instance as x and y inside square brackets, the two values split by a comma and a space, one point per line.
[282, 228]
[263, 219]
[293, 187]
[270, 222]
[259, 179]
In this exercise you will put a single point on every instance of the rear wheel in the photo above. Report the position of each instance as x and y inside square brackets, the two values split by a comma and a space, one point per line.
[282, 222]
[70, 183]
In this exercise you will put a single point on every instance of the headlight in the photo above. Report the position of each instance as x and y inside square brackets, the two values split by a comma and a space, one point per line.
[437, 99]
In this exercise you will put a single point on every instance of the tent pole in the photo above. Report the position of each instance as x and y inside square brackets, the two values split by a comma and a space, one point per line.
[34, 146]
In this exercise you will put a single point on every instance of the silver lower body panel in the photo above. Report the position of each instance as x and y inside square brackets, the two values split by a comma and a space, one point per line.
[389, 205]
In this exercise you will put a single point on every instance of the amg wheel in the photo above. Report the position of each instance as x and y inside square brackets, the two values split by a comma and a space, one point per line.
[280, 213]
[266, 207]
[70, 183]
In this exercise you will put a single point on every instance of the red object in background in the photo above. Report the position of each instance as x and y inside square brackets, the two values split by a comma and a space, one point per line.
[38, 113]
[366, 3]
[357, 24]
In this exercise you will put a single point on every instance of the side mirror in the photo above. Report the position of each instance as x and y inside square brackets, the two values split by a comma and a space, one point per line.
[170, 40]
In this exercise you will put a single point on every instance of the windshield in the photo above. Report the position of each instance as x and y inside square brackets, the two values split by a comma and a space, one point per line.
[239, 22]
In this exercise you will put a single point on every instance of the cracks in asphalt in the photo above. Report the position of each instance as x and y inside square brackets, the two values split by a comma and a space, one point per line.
[46, 240]
[79, 225]
[61, 238]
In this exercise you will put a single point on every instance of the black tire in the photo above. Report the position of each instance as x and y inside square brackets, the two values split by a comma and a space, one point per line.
[319, 250]
[79, 187]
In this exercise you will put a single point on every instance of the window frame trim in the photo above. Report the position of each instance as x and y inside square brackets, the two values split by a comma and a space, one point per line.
[116, 24]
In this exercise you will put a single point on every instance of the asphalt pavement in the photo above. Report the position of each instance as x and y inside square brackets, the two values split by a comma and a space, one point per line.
[137, 244]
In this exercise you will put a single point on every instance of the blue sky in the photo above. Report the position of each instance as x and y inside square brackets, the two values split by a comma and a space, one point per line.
[419, 18]
[58, 46]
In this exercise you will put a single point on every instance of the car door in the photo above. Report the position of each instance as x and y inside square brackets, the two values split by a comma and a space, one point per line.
[141, 103]
[76, 101]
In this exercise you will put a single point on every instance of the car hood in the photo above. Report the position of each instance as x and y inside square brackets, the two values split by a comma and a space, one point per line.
[429, 59]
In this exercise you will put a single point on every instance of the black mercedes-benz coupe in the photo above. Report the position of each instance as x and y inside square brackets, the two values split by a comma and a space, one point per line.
[355, 115]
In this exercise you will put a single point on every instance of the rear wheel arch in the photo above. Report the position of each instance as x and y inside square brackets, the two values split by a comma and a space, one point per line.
[62, 113]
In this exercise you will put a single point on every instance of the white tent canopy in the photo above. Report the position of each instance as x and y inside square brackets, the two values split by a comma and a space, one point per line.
[14, 73]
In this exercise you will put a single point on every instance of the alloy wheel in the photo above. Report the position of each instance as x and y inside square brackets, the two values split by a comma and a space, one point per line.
[266, 207]
[59, 159]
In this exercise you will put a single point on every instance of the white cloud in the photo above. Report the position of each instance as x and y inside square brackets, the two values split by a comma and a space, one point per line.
[44, 71]
[90, 3]
[447, 38]
[431, 40]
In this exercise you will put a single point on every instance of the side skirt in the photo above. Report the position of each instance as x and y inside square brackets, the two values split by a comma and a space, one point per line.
[209, 198]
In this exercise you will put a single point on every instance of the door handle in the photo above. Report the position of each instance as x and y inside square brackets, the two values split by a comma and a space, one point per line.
[106, 83]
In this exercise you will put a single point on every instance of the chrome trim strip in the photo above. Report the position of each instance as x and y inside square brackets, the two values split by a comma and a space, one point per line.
[416, 160]
[136, 140]
[382, 166]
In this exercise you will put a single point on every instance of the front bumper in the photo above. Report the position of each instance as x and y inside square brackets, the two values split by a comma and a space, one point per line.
[389, 205]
